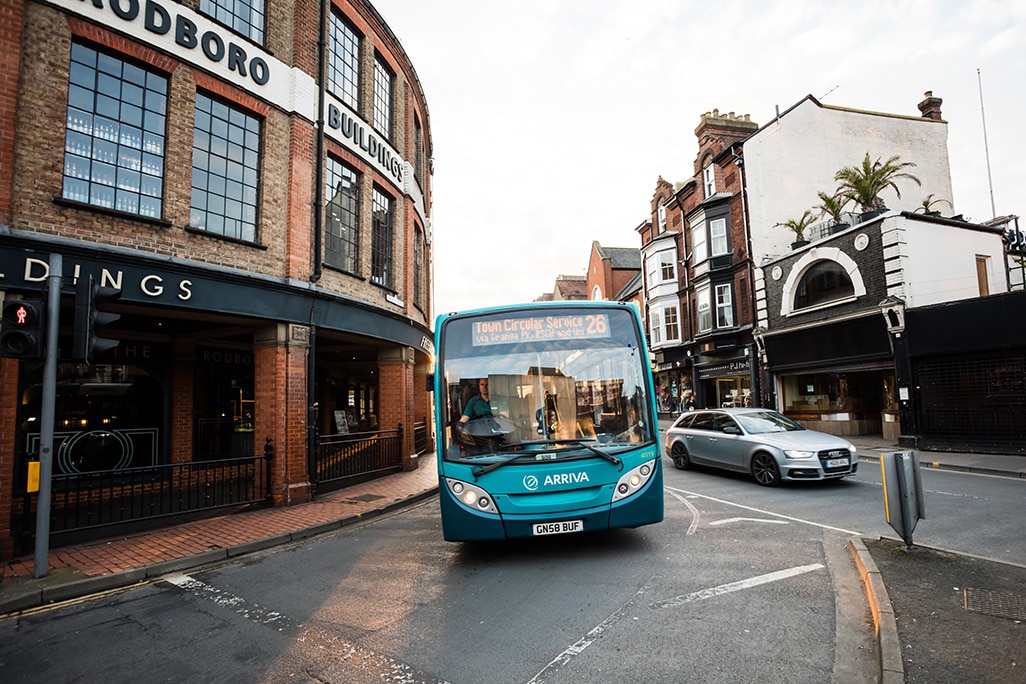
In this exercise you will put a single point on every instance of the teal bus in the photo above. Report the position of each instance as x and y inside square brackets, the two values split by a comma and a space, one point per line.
[545, 421]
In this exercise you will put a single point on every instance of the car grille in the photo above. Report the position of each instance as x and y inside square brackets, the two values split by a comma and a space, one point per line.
[825, 456]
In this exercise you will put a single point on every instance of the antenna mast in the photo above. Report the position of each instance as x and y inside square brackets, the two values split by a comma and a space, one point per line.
[986, 148]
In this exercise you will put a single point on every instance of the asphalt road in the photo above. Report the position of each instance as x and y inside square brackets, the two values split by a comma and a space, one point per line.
[389, 601]
[739, 583]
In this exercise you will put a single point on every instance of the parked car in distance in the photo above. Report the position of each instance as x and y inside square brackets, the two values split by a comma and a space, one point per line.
[762, 442]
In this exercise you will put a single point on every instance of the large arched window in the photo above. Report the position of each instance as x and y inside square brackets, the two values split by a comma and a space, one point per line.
[825, 281]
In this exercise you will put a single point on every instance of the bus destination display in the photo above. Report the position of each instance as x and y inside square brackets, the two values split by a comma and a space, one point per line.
[512, 330]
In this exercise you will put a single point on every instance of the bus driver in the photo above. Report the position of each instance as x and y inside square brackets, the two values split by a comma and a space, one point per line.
[479, 405]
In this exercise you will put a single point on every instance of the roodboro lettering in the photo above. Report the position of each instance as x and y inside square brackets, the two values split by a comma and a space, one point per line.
[158, 20]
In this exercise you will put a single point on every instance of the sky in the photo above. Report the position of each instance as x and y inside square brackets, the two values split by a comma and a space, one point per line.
[551, 120]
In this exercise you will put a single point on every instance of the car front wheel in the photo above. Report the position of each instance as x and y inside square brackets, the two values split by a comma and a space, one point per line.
[765, 470]
[680, 457]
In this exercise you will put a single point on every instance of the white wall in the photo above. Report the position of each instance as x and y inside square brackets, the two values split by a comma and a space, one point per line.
[792, 158]
[938, 262]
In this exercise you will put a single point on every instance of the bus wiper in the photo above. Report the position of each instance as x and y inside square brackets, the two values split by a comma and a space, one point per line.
[584, 443]
[478, 472]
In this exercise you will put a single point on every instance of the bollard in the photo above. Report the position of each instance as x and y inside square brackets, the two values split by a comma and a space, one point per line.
[903, 492]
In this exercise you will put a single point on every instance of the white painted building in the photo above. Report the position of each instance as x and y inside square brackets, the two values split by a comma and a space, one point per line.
[795, 156]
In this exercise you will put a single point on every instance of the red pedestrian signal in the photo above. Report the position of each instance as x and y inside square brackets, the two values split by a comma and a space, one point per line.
[23, 329]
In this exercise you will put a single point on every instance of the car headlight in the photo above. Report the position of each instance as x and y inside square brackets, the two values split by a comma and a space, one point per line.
[799, 453]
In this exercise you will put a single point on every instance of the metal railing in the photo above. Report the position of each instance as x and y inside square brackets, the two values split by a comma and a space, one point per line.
[421, 440]
[81, 501]
[342, 460]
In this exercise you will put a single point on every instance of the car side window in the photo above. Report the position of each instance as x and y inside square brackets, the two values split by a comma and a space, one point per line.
[704, 421]
[726, 422]
[684, 421]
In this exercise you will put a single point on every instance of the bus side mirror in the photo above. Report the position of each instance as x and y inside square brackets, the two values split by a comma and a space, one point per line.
[430, 382]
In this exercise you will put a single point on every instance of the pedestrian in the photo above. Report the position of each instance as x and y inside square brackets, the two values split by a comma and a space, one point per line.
[689, 400]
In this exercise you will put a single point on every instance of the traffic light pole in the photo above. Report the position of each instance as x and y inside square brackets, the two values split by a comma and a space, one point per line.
[47, 413]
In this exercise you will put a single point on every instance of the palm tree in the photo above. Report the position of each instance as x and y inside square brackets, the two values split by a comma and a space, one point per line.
[832, 206]
[927, 207]
[863, 184]
[798, 225]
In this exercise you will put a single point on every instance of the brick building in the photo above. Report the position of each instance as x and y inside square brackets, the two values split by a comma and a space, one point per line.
[262, 201]
[699, 272]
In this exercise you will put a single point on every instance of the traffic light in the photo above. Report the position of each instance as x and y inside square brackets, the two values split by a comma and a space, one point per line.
[23, 330]
[88, 319]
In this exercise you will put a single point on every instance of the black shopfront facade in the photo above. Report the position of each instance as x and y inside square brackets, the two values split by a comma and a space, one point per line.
[836, 377]
[182, 384]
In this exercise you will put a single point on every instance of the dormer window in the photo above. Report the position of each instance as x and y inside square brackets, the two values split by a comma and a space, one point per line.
[709, 178]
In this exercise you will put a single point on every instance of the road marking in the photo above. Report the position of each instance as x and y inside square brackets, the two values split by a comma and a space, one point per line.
[584, 642]
[759, 520]
[737, 586]
[758, 510]
[319, 638]
[696, 515]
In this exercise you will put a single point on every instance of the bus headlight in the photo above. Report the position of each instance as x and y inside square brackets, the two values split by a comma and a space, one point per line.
[633, 480]
[471, 496]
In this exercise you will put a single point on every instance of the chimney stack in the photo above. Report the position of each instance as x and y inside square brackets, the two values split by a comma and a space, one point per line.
[931, 106]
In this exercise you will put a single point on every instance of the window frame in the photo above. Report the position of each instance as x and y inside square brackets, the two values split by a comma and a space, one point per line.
[724, 305]
[703, 308]
[226, 13]
[671, 323]
[419, 274]
[699, 243]
[126, 148]
[382, 236]
[344, 74]
[384, 98]
[234, 122]
[719, 243]
[709, 179]
[668, 267]
[808, 297]
[418, 148]
[655, 326]
[337, 172]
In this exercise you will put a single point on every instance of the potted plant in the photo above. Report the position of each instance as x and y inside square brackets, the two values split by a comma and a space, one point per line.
[833, 206]
[863, 184]
[798, 226]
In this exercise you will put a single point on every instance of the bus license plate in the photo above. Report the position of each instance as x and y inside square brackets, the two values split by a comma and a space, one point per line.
[558, 527]
[836, 462]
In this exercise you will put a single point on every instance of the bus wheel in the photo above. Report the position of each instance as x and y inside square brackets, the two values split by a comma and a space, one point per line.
[680, 457]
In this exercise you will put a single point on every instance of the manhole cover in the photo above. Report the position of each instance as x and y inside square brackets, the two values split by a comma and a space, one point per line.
[997, 603]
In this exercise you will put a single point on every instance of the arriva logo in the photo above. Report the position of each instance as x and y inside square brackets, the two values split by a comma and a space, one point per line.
[531, 482]
[565, 478]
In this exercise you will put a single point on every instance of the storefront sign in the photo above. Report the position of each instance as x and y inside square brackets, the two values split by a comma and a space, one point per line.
[735, 367]
[352, 132]
[208, 289]
[198, 40]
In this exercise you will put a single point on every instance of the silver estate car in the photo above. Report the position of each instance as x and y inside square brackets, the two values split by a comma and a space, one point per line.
[765, 443]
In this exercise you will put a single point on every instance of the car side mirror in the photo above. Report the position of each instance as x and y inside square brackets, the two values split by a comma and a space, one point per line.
[731, 430]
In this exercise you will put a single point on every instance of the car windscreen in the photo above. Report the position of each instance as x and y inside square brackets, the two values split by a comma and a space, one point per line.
[766, 421]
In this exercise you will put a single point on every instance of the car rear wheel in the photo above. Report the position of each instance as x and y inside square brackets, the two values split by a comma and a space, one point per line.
[680, 457]
[765, 470]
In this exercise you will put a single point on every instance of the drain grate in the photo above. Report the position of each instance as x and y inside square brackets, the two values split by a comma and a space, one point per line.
[997, 603]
